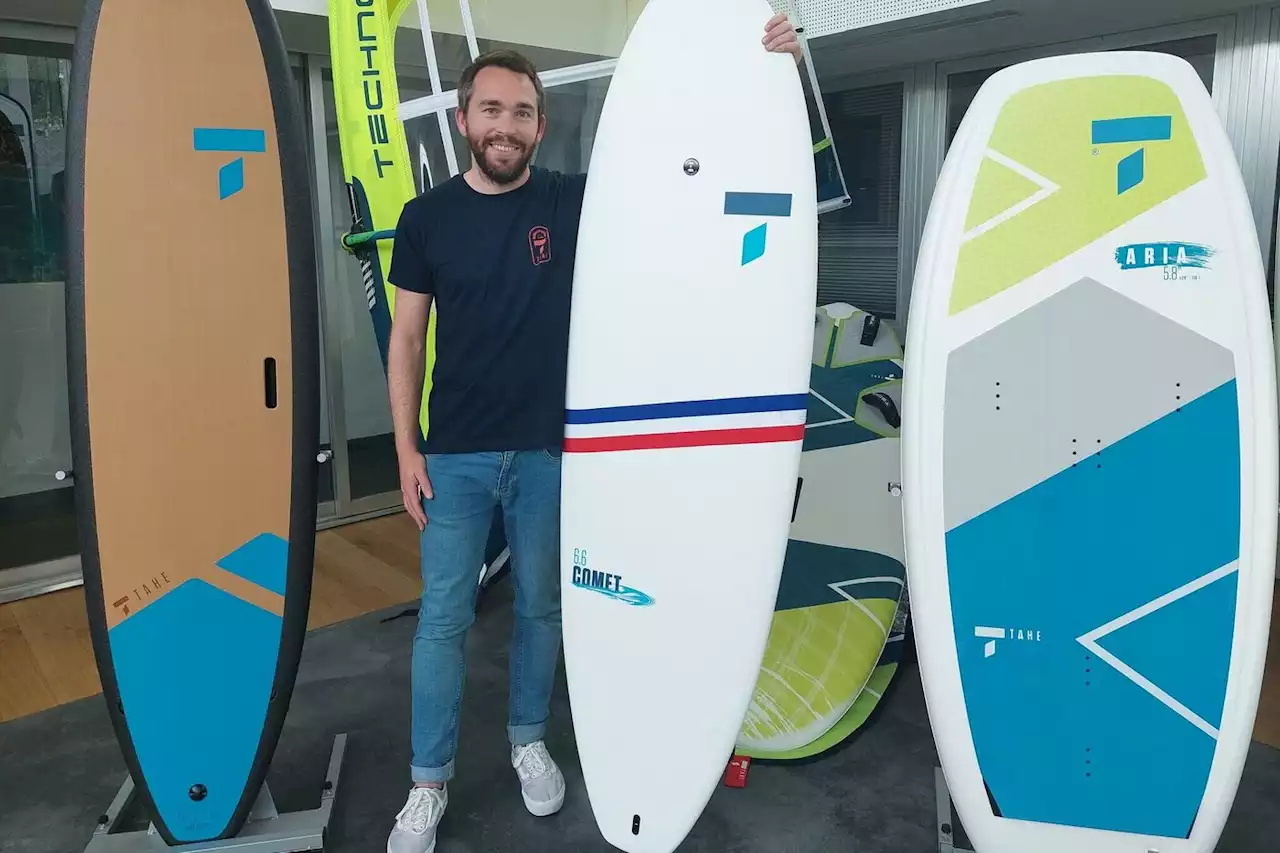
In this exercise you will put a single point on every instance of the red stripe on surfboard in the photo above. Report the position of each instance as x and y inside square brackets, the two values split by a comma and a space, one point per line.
[695, 438]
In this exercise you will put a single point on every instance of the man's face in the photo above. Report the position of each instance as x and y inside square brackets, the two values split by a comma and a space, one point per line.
[502, 125]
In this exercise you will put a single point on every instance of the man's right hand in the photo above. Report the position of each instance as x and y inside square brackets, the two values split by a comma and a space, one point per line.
[415, 485]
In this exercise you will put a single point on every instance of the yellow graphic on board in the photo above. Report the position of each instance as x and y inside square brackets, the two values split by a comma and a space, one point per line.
[817, 662]
[1086, 189]
[1000, 189]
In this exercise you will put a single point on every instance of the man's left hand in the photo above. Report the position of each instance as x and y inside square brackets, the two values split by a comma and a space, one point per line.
[780, 37]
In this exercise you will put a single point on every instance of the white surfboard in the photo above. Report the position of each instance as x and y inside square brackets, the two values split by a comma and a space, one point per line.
[688, 381]
[1089, 452]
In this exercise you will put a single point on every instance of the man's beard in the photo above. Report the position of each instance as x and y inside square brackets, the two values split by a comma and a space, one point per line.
[499, 175]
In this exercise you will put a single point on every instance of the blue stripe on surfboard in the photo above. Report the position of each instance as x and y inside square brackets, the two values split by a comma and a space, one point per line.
[195, 670]
[245, 140]
[688, 409]
[1133, 129]
[757, 204]
[263, 560]
[1061, 736]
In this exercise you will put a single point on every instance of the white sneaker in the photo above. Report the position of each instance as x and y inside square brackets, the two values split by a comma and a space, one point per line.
[415, 829]
[541, 782]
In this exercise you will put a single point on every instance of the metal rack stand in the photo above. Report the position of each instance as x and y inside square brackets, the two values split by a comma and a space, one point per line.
[266, 830]
[951, 835]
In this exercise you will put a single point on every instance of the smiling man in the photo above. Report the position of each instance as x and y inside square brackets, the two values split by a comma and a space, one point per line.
[493, 249]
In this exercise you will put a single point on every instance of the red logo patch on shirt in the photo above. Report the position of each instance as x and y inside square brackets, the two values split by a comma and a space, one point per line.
[540, 244]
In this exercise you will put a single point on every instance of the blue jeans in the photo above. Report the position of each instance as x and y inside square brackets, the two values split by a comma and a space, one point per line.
[467, 487]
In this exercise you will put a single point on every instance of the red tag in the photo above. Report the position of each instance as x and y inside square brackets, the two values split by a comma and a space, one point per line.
[735, 775]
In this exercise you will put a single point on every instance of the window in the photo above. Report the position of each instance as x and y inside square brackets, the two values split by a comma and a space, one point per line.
[858, 244]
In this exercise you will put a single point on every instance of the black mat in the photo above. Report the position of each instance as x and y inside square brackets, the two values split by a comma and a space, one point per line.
[60, 769]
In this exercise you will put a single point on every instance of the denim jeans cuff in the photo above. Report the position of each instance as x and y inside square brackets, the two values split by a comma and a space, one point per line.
[524, 735]
[432, 774]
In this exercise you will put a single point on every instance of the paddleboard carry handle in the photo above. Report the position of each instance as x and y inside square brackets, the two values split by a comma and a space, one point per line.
[269, 382]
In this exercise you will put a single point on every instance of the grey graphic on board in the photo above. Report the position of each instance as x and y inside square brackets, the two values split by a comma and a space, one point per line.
[1071, 375]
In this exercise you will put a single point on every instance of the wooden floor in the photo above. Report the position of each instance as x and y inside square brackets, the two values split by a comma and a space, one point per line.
[46, 658]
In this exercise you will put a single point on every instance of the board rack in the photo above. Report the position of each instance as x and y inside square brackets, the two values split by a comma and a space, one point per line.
[266, 830]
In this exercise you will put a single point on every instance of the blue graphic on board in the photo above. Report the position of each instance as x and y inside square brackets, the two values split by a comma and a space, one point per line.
[754, 242]
[605, 583]
[224, 669]
[813, 574]
[1190, 665]
[833, 402]
[263, 560]
[1139, 256]
[1131, 170]
[230, 140]
[1094, 642]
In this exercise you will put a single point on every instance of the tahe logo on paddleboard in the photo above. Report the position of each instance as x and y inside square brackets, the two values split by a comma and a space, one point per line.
[1132, 168]
[1021, 635]
[1140, 256]
[225, 140]
[604, 583]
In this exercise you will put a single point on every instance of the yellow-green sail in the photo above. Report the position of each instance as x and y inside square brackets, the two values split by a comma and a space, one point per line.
[375, 156]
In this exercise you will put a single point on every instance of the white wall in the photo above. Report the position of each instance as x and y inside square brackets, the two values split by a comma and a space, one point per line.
[597, 27]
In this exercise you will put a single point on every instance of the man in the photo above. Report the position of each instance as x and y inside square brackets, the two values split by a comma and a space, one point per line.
[494, 249]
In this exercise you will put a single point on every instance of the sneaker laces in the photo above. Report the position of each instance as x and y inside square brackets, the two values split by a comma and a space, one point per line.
[531, 761]
[418, 812]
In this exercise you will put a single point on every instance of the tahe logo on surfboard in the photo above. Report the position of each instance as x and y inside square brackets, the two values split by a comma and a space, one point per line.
[1140, 256]
[605, 583]
[230, 140]
[758, 205]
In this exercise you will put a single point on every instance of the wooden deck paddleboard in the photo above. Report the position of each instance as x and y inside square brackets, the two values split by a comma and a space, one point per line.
[194, 391]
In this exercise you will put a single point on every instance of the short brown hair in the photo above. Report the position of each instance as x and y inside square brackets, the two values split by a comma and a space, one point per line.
[508, 59]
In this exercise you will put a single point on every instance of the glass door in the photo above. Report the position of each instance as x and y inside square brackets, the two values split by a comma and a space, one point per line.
[37, 510]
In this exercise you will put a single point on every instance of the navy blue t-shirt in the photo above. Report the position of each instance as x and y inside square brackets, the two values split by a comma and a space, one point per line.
[500, 271]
